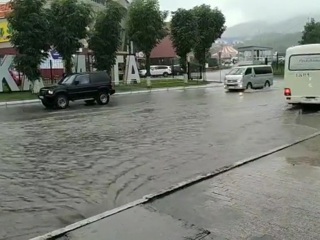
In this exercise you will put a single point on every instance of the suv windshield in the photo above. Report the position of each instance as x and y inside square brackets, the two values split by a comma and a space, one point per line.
[237, 71]
[67, 80]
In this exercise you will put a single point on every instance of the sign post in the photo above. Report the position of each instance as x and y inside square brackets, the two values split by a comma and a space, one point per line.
[220, 53]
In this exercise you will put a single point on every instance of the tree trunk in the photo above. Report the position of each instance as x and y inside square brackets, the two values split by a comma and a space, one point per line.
[36, 85]
[203, 65]
[68, 65]
[148, 64]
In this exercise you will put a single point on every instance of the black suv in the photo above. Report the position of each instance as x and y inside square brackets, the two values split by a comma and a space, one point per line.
[93, 86]
[177, 70]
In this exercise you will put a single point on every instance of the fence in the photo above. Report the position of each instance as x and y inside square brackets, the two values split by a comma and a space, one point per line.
[278, 65]
[195, 71]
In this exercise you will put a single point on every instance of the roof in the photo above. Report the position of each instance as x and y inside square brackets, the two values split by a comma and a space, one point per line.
[249, 48]
[226, 52]
[307, 48]
[5, 9]
[164, 49]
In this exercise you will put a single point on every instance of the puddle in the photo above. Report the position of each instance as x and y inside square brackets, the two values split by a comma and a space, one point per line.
[312, 161]
[264, 237]
[146, 110]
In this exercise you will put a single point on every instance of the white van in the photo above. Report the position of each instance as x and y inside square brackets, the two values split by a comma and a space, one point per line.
[249, 77]
[302, 74]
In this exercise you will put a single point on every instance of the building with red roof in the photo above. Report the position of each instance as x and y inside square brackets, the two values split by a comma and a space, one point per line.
[164, 53]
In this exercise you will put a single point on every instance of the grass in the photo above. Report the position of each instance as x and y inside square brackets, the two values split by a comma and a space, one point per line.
[16, 96]
[278, 71]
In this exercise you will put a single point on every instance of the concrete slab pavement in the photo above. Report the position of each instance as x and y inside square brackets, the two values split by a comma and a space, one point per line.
[274, 198]
[138, 223]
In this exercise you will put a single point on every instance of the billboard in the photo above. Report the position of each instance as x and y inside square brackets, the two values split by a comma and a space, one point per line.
[4, 31]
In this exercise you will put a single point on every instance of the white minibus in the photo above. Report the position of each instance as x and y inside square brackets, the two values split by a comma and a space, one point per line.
[249, 77]
[302, 74]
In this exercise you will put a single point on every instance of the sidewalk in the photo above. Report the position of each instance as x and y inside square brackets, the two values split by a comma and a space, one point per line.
[274, 197]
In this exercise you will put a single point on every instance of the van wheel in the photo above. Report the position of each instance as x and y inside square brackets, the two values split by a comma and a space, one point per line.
[62, 101]
[103, 98]
[267, 84]
[249, 86]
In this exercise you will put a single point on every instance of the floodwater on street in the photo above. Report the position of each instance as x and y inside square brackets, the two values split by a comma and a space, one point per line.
[58, 167]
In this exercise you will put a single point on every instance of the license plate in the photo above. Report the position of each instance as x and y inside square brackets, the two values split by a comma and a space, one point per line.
[41, 97]
[310, 100]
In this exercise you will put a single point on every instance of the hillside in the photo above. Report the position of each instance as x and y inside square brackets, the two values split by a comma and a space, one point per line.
[253, 28]
[278, 41]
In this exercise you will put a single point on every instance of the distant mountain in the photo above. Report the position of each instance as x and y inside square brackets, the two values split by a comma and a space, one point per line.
[278, 41]
[253, 28]
[245, 30]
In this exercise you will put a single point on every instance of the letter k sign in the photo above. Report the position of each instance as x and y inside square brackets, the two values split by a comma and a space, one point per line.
[5, 74]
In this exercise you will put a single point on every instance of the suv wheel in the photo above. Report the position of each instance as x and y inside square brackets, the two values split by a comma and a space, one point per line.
[165, 74]
[47, 104]
[62, 102]
[103, 98]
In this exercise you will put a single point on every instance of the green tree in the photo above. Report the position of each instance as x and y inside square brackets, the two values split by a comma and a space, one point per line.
[29, 35]
[70, 20]
[311, 33]
[211, 25]
[106, 36]
[183, 33]
[146, 26]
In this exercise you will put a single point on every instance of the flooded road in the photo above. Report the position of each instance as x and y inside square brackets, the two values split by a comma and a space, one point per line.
[60, 167]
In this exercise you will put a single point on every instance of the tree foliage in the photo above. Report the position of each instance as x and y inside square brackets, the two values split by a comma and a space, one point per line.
[29, 35]
[106, 36]
[211, 25]
[311, 33]
[183, 33]
[69, 22]
[146, 26]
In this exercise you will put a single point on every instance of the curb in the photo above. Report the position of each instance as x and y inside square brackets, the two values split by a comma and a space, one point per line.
[24, 102]
[151, 197]
[19, 102]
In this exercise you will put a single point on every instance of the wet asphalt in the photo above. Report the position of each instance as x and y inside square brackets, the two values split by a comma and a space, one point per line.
[58, 167]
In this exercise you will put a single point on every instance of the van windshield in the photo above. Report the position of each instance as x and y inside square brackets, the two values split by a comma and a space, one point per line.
[237, 71]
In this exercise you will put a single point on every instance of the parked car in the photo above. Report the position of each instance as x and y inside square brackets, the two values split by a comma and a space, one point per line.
[157, 70]
[91, 87]
[177, 70]
[17, 77]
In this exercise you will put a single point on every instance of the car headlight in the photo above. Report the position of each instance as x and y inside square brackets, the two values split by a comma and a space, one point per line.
[50, 92]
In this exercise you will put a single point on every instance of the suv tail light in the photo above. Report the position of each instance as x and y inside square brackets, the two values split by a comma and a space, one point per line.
[287, 92]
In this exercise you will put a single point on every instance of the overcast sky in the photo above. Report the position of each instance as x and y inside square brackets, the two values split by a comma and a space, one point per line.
[237, 11]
